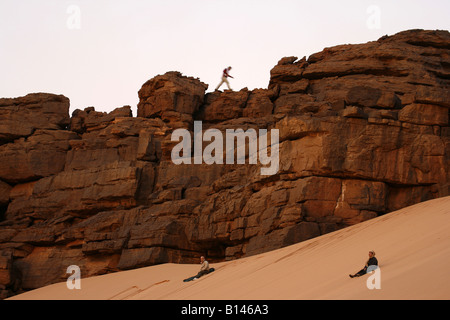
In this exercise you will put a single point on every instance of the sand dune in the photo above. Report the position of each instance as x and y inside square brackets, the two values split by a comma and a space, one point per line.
[412, 246]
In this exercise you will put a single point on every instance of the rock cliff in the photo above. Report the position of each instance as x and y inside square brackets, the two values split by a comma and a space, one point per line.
[363, 130]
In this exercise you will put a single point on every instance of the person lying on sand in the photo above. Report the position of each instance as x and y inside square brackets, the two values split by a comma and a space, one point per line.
[371, 262]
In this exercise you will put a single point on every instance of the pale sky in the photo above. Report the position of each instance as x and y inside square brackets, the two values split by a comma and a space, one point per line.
[100, 52]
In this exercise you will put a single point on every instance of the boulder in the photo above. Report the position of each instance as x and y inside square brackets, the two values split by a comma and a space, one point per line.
[172, 97]
[39, 155]
[20, 117]
[424, 114]
[5, 189]
[222, 106]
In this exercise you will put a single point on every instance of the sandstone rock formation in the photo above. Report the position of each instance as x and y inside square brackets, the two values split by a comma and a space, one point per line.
[364, 130]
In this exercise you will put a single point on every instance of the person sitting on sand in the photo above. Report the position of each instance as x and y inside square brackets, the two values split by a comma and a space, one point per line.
[204, 269]
[371, 262]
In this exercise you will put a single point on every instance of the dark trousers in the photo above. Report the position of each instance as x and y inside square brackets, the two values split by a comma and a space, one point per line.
[361, 272]
[202, 273]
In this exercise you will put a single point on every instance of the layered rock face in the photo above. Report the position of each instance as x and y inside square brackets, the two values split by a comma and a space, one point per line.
[363, 130]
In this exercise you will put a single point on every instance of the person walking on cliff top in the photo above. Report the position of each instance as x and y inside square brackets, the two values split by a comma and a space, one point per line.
[225, 75]
[371, 262]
